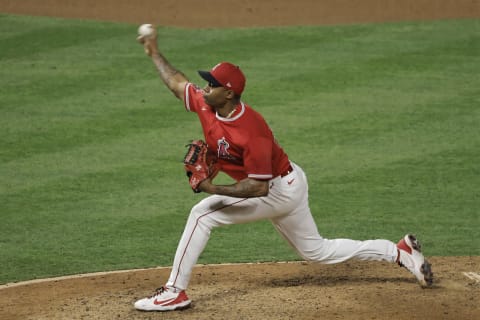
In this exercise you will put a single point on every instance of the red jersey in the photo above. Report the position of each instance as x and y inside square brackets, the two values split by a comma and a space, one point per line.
[244, 143]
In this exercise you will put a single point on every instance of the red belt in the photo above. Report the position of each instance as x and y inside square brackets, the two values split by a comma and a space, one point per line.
[287, 171]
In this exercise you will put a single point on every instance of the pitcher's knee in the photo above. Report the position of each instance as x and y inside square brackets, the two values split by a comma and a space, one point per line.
[198, 210]
[202, 216]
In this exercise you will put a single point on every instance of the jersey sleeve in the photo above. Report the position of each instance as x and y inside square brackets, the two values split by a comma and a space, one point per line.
[258, 158]
[193, 96]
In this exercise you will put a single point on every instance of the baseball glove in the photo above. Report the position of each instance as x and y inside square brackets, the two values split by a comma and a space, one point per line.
[199, 164]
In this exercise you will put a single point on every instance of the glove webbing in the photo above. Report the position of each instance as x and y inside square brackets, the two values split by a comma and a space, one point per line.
[192, 156]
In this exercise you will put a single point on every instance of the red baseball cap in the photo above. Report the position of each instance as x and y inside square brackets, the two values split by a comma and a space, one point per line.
[225, 75]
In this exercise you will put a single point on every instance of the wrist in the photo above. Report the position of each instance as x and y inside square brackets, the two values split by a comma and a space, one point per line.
[206, 186]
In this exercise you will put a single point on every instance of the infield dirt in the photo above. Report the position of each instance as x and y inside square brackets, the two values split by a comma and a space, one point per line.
[295, 290]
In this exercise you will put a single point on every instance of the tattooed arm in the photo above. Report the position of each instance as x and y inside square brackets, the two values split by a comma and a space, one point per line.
[173, 78]
[247, 188]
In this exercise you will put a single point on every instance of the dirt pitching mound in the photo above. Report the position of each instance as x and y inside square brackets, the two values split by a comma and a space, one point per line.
[295, 290]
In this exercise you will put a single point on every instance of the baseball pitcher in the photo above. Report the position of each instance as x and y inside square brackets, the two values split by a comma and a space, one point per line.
[268, 185]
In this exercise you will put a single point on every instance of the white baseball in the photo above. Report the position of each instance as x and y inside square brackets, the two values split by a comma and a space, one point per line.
[146, 30]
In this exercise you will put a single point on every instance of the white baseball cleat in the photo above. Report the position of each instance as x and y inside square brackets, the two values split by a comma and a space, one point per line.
[411, 257]
[164, 299]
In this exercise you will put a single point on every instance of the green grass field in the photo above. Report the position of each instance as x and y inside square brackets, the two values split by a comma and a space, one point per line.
[384, 118]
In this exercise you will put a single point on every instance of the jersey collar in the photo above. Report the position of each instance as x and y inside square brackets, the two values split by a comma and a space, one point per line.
[236, 115]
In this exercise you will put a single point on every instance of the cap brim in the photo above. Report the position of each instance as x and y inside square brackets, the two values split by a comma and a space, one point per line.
[207, 76]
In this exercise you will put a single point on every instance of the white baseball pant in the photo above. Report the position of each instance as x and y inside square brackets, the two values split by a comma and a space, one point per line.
[286, 206]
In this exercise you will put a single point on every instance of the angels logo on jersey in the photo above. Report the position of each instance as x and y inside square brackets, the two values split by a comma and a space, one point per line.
[222, 150]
